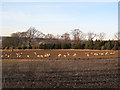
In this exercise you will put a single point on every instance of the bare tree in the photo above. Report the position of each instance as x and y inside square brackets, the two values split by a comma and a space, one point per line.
[101, 36]
[49, 36]
[66, 36]
[77, 35]
[57, 36]
[91, 35]
[40, 34]
[117, 35]
[31, 34]
[17, 34]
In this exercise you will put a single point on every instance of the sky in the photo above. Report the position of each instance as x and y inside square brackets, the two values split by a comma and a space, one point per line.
[59, 17]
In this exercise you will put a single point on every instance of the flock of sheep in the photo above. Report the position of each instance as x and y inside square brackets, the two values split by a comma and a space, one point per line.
[102, 54]
[18, 55]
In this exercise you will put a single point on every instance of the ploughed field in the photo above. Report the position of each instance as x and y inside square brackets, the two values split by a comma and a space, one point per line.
[60, 69]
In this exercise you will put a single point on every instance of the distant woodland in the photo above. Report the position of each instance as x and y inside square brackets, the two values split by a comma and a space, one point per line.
[76, 39]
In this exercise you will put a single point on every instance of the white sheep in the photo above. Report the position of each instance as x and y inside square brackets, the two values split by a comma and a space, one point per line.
[35, 53]
[28, 56]
[68, 54]
[91, 53]
[74, 54]
[96, 54]
[48, 55]
[106, 53]
[45, 55]
[88, 55]
[64, 55]
[8, 56]
[1, 56]
[41, 56]
[110, 52]
[19, 55]
[38, 55]
[59, 55]
[102, 54]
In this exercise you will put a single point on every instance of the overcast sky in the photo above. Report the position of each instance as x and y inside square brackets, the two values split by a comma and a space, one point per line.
[60, 17]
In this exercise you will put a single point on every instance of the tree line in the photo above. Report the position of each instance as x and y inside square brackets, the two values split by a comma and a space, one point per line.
[76, 39]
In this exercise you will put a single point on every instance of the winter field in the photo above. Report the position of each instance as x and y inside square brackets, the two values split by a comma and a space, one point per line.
[60, 69]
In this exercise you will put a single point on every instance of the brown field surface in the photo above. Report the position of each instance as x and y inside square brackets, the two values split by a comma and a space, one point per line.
[79, 71]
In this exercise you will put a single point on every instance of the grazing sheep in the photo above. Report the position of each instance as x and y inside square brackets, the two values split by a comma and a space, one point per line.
[74, 54]
[68, 54]
[95, 54]
[106, 53]
[41, 56]
[35, 53]
[28, 56]
[48, 55]
[59, 55]
[88, 55]
[45, 55]
[112, 53]
[91, 53]
[38, 55]
[102, 54]
[64, 55]
[1, 56]
[19, 55]
[8, 56]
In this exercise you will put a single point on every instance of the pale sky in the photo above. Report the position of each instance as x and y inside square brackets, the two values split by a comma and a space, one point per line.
[60, 17]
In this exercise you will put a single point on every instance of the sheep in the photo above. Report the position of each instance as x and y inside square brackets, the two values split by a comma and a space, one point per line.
[19, 55]
[74, 54]
[91, 53]
[41, 56]
[95, 54]
[16, 53]
[1, 56]
[59, 55]
[45, 55]
[88, 55]
[28, 56]
[8, 56]
[102, 54]
[64, 55]
[112, 53]
[48, 55]
[68, 54]
[106, 53]
[35, 53]
[38, 55]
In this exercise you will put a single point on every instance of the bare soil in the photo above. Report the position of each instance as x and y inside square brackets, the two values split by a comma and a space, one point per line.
[60, 72]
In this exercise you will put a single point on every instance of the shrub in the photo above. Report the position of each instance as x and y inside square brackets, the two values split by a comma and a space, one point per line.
[24, 47]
